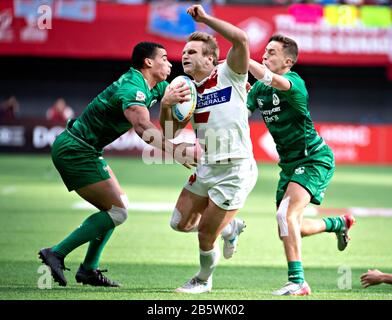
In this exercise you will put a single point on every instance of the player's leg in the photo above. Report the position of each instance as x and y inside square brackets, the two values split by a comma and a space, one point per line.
[247, 174]
[231, 185]
[339, 225]
[85, 171]
[191, 203]
[96, 246]
[187, 212]
[212, 222]
[289, 216]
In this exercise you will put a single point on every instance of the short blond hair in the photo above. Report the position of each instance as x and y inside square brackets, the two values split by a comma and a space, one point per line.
[210, 45]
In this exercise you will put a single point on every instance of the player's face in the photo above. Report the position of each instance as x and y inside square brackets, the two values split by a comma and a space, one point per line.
[162, 66]
[194, 62]
[274, 57]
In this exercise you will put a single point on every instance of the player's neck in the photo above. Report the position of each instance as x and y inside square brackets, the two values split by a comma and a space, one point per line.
[283, 71]
[202, 76]
[149, 78]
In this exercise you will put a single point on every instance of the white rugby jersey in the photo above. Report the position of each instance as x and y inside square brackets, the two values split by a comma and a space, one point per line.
[220, 119]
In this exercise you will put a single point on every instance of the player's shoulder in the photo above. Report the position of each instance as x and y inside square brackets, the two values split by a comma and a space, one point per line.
[161, 86]
[259, 86]
[225, 70]
[294, 76]
[132, 81]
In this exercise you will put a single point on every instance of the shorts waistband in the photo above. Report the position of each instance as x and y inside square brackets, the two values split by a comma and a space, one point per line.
[67, 129]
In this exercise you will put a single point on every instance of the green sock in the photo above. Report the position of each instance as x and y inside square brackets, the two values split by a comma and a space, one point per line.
[95, 248]
[333, 224]
[95, 225]
[296, 272]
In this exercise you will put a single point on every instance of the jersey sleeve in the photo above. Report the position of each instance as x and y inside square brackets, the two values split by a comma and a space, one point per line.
[228, 73]
[129, 95]
[297, 95]
[251, 102]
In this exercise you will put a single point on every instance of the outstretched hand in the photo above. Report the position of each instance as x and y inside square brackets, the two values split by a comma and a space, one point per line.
[371, 278]
[197, 13]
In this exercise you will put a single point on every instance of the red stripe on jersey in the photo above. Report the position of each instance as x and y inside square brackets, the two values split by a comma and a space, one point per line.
[211, 82]
[201, 117]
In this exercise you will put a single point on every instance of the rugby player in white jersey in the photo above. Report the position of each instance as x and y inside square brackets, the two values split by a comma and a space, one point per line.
[227, 171]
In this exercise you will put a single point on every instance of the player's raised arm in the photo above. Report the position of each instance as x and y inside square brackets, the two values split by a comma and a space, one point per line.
[238, 56]
[262, 73]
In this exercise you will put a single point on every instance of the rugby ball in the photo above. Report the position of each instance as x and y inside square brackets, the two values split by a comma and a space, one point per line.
[184, 111]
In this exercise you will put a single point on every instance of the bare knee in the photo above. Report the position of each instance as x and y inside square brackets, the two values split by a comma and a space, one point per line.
[179, 224]
[118, 215]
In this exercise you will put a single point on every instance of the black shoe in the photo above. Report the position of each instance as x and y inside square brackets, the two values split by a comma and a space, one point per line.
[94, 278]
[55, 263]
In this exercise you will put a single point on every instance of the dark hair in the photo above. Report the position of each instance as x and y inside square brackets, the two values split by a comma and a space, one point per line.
[210, 45]
[290, 47]
[143, 50]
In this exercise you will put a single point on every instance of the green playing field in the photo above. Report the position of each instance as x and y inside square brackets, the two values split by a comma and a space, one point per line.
[151, 260]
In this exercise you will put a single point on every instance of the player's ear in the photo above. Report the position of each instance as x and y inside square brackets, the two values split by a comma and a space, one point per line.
[288, 62]
[210, 59]
[148, 62]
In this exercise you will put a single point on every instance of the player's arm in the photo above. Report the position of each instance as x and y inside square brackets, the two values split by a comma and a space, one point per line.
[172, 96]
[262, 73]
[238, 56]
[139, 117]
[374, 277]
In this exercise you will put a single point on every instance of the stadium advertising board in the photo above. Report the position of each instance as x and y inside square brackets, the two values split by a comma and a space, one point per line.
[351, 143]
[331, 34]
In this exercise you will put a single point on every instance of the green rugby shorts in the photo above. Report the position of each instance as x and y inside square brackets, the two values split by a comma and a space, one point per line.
[78, 163]
[314, 173]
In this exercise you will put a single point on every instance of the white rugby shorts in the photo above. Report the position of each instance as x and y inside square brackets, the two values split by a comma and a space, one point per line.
[226, 184]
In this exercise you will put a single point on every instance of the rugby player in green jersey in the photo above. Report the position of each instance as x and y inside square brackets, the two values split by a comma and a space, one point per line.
[306, 161]
[77, 155]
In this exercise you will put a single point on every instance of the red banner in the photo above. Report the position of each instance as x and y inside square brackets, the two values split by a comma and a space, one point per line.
[351, 143]
[111, 30]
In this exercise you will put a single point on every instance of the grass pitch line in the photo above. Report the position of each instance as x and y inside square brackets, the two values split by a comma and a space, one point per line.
[312, 211]
[8, 190]
[133, 206]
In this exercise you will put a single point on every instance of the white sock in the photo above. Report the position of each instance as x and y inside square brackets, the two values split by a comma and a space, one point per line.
[208, 261]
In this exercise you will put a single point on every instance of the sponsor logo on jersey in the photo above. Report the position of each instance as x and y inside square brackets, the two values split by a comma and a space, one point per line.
[275, 99]
[214, 98]
[153, 102]
[260, 102]
[140, 96]
[299, 170]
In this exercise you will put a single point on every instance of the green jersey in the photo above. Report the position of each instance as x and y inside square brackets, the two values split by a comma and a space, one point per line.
[103, 121]
[287, 117]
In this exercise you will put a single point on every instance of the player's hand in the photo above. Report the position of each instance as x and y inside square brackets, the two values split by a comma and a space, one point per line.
[176, 94]
[197, 13]
[371, 278]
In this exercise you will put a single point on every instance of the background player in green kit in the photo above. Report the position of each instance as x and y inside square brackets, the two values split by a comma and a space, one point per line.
[306, 162]
[77, 155]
